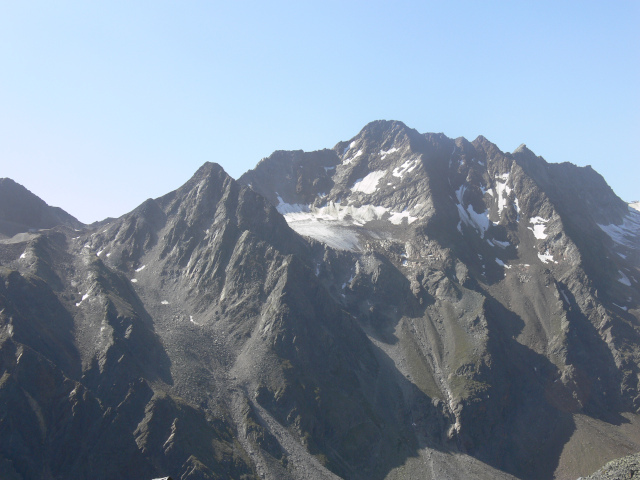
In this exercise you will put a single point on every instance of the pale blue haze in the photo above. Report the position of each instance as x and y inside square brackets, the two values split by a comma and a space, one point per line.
[104, 104]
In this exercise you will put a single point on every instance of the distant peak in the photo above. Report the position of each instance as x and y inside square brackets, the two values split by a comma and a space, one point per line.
[207, 173]
[522, 148]
[210, 167]
[381, 127]
[484, 144]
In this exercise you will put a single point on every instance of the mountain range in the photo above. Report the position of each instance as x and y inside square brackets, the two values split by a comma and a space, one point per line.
[399, 306]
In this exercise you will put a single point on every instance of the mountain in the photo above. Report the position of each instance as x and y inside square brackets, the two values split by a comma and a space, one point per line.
[401, 305]
[22, 211]
[524, 273]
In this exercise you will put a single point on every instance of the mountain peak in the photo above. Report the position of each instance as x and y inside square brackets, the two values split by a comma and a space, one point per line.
[21, 211]
[385, 129]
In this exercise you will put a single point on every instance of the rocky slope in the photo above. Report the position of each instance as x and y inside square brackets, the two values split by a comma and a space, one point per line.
[626, 467]
[403, 305]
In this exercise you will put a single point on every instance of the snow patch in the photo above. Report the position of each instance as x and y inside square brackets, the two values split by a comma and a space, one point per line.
[468, 216]
[334, 212]
[141, 268]
[498, 243]
[24, 255]
[628, 232]
[347, 161]
[99, 252]
[285, 208]
[624, 279]
[503, 192]
[384, 153]
[109, 254]
[406, 167]
[333, 223]
[396, 217]
[164, 302]
[84, 297]
[133, 280]
[546, 257]
[368, 184]
[502, 264]
[332, 234]
[539, 226]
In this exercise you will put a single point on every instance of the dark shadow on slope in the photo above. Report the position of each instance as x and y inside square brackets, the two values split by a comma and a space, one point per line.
[528, 389]
[36, 318]
[135, 350]
[519, 389]
[341, 395]
[596, 376]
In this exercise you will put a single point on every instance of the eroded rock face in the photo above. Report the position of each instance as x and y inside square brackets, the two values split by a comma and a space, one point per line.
[401, 305]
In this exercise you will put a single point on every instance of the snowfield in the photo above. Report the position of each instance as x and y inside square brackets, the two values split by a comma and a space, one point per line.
[628, 232]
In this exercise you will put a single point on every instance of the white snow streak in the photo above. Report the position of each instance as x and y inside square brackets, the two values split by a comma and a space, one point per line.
[503, 192]
[624, 279]
[84, 297]
[502, 264]
[623, 308]
[141, 268]
[498, 243]
[368, 184]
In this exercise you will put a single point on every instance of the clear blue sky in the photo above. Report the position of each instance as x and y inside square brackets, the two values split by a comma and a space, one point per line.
[106, 103]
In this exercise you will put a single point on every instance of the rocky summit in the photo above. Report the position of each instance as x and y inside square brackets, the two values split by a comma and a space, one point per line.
[400, 306]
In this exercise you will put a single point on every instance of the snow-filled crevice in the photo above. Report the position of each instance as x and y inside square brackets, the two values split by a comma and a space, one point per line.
[478, 221]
